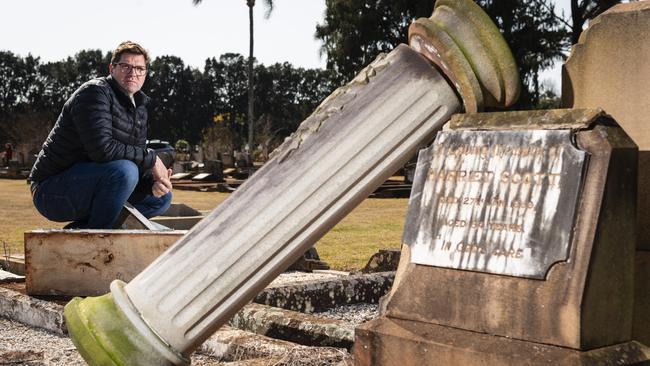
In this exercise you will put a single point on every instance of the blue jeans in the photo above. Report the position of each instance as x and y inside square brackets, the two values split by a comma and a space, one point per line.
[92, 194]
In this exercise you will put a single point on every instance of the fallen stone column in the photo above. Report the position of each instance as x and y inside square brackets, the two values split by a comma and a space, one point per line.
[352, 143]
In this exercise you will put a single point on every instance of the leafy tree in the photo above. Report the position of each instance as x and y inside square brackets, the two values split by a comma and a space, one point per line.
[19, 82]
[251, 78]
[536, 38]
[584, 10]
[226, 80]
[174, 108]
[354, 31]
[186, 103]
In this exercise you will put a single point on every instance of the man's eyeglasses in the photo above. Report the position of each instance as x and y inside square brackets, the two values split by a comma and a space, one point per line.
[126, 68]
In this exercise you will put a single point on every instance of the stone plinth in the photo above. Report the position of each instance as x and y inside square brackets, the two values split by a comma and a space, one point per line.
[85, 262]
[388, 341]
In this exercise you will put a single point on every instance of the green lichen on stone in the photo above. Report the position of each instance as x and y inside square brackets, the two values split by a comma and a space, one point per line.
[461, 33]
[105, 337]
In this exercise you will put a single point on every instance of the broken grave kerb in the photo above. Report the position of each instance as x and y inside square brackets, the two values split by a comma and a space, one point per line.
[352, 143]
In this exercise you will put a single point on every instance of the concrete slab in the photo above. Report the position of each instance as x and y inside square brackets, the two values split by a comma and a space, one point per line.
[31, 311]
[293, 326]
[84, 262]
[13, 263]
[232, 345]
[10, 277]
[320, 295]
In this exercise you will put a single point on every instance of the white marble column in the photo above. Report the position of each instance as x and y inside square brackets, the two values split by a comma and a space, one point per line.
[351, 144]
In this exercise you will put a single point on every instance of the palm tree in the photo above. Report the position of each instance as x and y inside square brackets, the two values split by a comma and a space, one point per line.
[251, 96]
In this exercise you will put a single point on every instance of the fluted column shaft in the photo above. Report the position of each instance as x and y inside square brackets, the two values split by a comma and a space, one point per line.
[353, 142]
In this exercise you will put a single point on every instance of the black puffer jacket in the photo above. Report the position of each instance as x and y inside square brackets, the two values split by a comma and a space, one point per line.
[98, 123]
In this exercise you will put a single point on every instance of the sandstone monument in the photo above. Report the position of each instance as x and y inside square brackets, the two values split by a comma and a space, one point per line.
[609, 69]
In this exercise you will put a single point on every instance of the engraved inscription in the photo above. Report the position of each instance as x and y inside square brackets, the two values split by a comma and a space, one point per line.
[500, 202]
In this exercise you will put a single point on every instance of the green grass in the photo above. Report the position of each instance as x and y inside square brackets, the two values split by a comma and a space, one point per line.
[375, 224]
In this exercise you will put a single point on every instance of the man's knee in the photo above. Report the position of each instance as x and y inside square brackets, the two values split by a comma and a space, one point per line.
[165, 202]
[158, 206]
[123, 172]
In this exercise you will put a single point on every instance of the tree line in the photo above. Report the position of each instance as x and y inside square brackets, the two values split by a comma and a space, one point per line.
[200, 106]
[353, 32]
[210, 106]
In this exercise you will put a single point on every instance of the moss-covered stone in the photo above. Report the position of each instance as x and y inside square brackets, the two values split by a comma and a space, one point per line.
[104, 336]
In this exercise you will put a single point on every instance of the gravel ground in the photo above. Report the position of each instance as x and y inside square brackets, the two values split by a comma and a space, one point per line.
[37, 347]
[24, 345]
[355, 314]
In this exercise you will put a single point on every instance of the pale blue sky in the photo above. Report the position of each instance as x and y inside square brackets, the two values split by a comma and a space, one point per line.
[54, 30]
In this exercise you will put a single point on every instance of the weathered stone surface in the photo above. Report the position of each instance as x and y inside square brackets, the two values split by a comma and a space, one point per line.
[84, 262]
[293, 326]
[462, 40]
[25, 358]
[232, 345]
[387, 341]
[583, 303]
[276, 324]
[641, 328]
[608, 68]
[319, 295]
[549, 119]
[499, 202]
[13, 263]
[10, 277]
[385, 260]
[31, 311]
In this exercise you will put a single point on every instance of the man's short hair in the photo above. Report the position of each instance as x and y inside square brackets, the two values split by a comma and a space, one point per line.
[129, 47]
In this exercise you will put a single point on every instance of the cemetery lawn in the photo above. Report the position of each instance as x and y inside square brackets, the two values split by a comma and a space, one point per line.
[375, 224]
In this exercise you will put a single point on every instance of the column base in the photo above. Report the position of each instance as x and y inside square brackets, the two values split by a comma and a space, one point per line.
[107, 331]
[387, 341]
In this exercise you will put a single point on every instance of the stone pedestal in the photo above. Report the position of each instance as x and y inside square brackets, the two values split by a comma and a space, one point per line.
[388, 341]
[531, 249]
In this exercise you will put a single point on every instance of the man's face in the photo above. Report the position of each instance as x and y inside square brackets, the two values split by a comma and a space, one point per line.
[127, 72]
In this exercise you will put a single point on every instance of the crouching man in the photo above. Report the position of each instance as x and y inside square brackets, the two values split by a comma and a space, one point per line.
[95, 159]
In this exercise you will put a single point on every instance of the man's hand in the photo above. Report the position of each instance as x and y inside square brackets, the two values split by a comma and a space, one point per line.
[159, 189]
[162, 185]
[159, 171]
